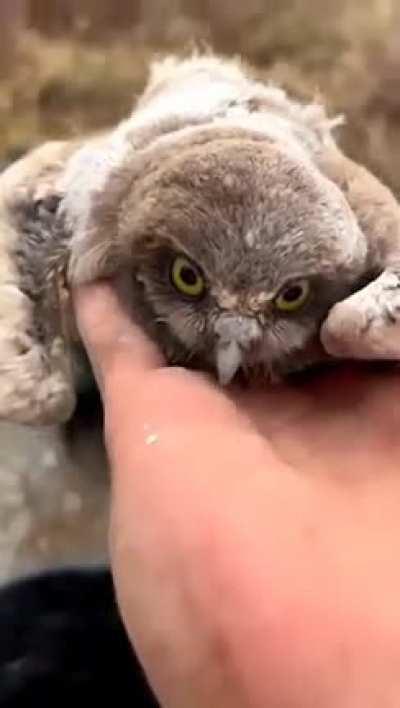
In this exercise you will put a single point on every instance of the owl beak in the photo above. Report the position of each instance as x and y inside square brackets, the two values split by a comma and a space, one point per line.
[236, 336]
[229, 361]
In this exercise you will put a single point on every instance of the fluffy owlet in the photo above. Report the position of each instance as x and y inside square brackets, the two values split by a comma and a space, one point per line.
[246, 239]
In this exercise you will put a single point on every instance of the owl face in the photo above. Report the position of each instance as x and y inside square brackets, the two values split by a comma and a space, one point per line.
[238, 249]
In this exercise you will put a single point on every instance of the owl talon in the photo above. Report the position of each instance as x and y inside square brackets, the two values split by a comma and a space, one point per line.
[367, 324]
[36, 385]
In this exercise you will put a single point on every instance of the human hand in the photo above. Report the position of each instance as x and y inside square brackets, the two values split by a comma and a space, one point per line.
[255, 534]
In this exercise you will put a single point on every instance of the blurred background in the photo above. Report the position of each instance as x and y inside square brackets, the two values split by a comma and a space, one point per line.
[68, 66]
[73, 65]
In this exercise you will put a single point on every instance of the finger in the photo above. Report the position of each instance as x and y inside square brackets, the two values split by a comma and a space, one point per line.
[109, 334]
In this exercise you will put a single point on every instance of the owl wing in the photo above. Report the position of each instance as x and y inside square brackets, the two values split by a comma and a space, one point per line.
[367, 324]
[376, 208]
[35, 364]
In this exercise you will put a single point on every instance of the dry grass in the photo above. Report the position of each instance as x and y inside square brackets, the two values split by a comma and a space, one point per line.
[347, 51]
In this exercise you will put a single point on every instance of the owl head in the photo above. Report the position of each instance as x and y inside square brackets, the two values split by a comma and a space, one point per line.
[236, 247]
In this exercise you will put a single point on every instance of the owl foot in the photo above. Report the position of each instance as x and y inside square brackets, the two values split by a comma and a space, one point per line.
[35, 378]
[367, 324]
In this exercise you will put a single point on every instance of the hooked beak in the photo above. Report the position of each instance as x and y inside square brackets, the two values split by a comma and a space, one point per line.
[229, 360]
[236, 335]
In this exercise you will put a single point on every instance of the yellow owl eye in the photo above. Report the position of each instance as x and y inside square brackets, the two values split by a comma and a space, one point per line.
[187, 278]
[293, 296]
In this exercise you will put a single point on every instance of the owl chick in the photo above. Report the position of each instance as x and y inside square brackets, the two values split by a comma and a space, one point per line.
[246, 239]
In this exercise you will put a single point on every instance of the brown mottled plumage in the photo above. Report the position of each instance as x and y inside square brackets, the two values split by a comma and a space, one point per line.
[216, 179]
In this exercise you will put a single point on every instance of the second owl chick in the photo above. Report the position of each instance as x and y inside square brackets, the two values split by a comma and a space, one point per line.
[247, 239]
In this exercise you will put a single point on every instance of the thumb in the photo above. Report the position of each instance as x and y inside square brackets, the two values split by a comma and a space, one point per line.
[110, 336]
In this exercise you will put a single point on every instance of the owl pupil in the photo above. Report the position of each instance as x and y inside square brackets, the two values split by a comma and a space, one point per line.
[189, 276]
[293, 294]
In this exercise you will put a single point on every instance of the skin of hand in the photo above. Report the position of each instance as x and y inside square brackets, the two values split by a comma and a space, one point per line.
[254, 534]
